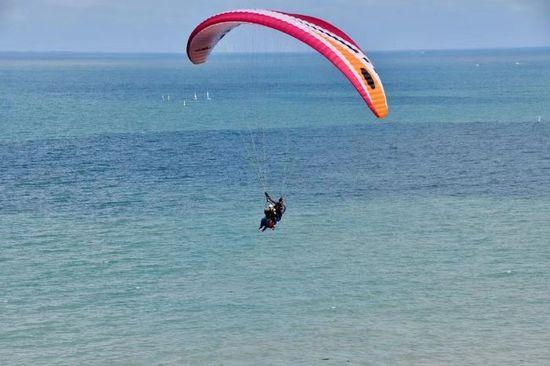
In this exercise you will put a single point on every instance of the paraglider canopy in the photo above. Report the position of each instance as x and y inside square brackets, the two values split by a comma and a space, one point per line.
[322, 36]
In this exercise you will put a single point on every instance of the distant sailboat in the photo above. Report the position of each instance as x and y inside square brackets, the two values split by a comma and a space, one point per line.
[195, 97]
[163, 98]
[184, 103]
[539, 120]
[208, 96]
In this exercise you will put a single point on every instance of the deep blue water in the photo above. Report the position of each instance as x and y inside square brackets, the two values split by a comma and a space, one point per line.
[128, 224]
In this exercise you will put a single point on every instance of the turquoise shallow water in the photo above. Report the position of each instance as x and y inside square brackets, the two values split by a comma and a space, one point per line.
[128, 224]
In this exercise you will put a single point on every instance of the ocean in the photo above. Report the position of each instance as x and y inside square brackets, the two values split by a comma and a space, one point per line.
[129, 211]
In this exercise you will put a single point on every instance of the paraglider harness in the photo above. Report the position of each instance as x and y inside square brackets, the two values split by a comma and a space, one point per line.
[273, 211]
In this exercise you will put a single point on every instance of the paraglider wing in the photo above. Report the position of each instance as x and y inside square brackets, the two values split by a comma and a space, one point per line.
[325, 38]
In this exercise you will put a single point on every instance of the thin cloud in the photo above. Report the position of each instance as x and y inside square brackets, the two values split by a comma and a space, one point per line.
[5, 7]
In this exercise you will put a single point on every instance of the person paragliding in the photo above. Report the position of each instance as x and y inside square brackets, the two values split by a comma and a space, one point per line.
[329, 41]
[273, 213]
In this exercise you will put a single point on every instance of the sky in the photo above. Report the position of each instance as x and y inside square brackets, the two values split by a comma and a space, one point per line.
[163, 25]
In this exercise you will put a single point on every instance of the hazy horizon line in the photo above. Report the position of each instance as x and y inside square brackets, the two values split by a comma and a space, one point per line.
[266, 52]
